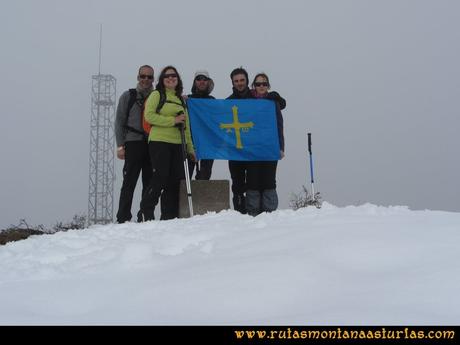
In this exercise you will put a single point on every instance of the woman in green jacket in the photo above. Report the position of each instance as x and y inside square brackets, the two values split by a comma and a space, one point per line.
[166, 118]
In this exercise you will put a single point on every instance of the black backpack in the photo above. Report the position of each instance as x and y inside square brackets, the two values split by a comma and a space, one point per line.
[132, 100]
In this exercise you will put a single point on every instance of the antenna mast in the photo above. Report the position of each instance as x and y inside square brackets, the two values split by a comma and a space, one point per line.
[102, 146]
[100, 48]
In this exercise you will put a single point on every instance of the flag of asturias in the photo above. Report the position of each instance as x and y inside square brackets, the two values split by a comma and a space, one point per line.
[230, 129]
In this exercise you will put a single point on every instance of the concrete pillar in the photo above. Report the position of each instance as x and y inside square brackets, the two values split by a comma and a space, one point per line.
[207, 195]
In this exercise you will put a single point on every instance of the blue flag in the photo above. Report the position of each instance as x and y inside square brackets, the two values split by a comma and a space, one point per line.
[230, 129]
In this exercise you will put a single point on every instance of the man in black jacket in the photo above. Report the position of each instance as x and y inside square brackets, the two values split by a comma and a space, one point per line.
[240, 82]
[202, 88]
[131, 140]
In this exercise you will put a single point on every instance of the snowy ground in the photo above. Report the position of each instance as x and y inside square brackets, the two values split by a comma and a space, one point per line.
[355, 265]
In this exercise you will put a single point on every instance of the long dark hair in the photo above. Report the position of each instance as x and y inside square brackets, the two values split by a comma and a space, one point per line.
[161, 86]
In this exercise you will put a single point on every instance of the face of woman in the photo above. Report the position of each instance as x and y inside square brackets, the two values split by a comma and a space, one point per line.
[170, 79]
[261, 85]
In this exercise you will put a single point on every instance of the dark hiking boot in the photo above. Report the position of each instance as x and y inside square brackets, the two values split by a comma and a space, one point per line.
[239, 203]
[253, 202]
[145, 216]
[269, 200]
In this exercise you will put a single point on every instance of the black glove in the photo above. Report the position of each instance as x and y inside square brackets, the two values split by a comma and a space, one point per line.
[180, 124]
[275, 96]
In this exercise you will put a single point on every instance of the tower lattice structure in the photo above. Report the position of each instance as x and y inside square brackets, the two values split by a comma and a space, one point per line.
[102, 149]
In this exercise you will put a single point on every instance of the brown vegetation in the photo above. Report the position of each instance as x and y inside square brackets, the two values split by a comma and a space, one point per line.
[23, 230]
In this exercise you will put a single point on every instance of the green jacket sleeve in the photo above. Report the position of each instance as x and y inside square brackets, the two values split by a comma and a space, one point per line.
[151, 116]
[188, 135]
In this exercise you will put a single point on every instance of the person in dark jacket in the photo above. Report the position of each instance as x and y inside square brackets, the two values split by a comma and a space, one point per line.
[131, 141]
[261, 193]
[240, 82]
[202, 88]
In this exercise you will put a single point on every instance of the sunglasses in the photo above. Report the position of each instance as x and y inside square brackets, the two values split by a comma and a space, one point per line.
[170, 75]
[261, 84]
[201, 78]
[145, 76]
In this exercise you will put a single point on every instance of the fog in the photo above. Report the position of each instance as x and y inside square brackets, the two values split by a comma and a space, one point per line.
[376, 83]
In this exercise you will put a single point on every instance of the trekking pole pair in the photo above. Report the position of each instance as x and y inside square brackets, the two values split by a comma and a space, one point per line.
[185, 160]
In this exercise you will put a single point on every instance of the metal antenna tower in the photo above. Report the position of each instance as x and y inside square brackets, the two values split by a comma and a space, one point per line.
[102, 146]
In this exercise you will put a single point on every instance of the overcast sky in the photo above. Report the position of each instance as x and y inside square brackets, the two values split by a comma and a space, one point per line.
[376, 82]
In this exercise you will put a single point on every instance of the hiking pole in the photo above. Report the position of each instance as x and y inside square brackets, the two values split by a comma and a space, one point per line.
[184, 156]
[312, 182]
[316, 198]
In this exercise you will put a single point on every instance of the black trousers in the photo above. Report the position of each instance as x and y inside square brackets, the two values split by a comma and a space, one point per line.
[261, 175]
[204, 173]
[137, 159]
[238, 174]
[168, 170]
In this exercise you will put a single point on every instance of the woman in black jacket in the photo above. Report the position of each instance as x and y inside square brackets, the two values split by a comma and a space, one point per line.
[261, 193]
